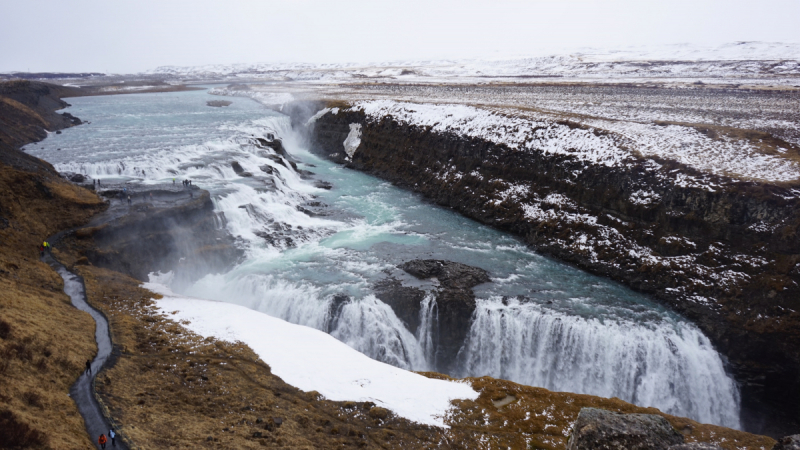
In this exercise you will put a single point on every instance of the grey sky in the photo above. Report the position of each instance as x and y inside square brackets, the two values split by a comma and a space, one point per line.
[125, 36]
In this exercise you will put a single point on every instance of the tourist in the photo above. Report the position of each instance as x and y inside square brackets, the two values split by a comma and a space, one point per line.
[129, 199]
[113, 437]
[102, 441]
[88, 367]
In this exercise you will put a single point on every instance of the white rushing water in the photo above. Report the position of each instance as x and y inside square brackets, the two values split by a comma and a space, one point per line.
[313, 256]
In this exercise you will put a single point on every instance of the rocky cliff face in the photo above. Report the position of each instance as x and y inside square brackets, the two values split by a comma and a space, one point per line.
[454, 303]
[171, 231]
[727, 258]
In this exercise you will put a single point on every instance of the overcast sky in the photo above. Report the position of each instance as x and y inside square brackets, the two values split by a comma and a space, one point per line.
[122, 36]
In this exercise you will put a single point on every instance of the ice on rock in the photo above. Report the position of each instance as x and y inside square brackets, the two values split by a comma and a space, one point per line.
[353, 140]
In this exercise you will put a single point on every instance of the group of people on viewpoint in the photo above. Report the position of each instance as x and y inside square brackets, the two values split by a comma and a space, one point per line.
[125, 195]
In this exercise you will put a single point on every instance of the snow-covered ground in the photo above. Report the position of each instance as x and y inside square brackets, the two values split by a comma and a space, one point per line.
[266, 98]
[526, 130]
[753, 62]
[312, 360]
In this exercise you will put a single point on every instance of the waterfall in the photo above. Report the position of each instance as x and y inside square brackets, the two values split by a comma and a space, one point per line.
[318, 269]
[371, 327]
[428, 330]
[669, 365]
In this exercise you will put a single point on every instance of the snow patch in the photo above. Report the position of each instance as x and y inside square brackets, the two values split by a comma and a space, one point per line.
[353, 140]
[321, 113]
[312, 360]
[644, 198]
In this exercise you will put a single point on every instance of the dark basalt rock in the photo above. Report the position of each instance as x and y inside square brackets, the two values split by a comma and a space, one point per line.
[30, 122]
[601, 429]
[218, 103]
[283, 161]
[455, 303]
[240, 170]
[275, 144]
[451, 275]
[788, 443]
[335, 310]
[404, 301]
[323, 185]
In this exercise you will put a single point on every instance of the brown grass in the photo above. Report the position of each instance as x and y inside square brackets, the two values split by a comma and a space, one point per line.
[542, 419]
[172, 388]
[43, 339]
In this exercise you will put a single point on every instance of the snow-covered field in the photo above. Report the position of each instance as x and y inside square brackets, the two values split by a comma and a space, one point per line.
[754, 62]
[312, 360]
[527, 130]
[731, 110]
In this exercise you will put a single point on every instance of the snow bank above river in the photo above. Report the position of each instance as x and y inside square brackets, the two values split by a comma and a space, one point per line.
[312, 360]
[600, 142]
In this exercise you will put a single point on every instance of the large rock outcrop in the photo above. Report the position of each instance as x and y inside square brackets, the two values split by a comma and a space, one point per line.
[454, 303]
[788, 443]
[598, 429]
[726, 258]
[167, 233]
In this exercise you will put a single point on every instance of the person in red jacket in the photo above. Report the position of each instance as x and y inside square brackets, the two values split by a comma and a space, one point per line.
[102, 441]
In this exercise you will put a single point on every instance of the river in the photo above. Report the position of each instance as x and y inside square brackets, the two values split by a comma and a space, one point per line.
[539, 322]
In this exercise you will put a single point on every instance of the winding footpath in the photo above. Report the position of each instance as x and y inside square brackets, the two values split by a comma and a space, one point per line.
[82, 392]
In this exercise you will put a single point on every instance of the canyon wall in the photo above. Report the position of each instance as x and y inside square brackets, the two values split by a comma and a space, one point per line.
[727, 258]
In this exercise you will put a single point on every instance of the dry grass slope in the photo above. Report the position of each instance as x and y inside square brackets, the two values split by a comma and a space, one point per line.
[44, 341]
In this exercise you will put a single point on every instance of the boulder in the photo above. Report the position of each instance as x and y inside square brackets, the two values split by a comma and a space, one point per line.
[601, 429]
[237, 167]
[240, 170]
[274, 144]
[283, 161]
[451, 275]
[788, 443]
